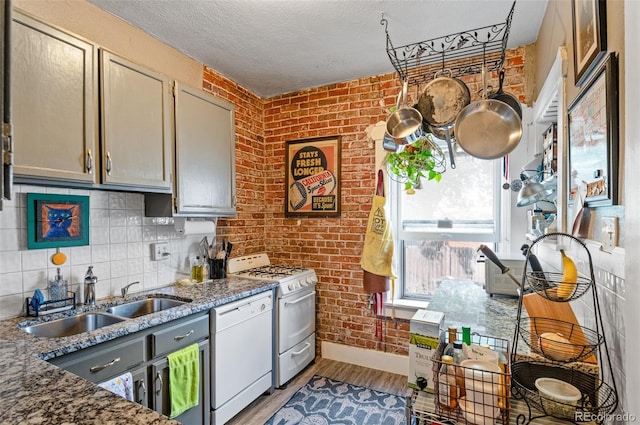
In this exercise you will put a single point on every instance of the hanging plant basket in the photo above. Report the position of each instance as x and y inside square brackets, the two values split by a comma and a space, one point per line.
[415, 162]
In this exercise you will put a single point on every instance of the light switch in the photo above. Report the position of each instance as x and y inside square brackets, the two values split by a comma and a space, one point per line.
[609, 233]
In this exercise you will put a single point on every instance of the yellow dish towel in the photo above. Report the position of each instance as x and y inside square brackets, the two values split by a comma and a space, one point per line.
[184, 379]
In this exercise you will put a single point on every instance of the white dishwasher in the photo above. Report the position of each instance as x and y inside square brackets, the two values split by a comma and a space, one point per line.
[242, 355]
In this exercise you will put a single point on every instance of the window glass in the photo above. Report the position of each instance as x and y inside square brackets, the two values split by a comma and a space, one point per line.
[438, 228]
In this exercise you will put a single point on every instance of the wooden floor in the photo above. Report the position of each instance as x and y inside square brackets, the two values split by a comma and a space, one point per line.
[264, 407]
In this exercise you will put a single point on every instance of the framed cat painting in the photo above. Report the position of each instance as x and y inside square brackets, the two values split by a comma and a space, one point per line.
[57, 220]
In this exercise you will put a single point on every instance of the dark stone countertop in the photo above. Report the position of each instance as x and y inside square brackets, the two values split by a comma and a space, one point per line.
[33, 391]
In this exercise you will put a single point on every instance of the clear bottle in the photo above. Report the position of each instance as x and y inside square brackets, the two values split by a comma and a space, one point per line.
[458, 357]
[448, 350]
[196, 270]
[447, 386]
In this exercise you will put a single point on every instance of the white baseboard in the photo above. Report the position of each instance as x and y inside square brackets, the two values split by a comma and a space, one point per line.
[388, 362]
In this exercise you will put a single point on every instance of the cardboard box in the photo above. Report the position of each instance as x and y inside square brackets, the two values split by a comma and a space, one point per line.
[421, 351]
[427, 323]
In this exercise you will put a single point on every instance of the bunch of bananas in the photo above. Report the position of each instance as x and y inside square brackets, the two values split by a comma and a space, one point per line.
[569, 277]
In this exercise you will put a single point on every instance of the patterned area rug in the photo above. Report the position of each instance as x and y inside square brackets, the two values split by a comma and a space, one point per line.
[323, 401]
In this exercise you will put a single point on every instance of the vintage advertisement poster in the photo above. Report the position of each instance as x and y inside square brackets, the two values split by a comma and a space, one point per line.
[313, 178]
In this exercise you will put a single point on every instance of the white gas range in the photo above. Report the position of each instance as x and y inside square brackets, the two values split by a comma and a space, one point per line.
[295, 306]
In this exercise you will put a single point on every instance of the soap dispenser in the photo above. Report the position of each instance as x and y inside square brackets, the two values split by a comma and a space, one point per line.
[90, 281]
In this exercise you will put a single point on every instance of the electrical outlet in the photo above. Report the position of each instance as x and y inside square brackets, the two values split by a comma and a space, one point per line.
[159, 251]
[609, 233]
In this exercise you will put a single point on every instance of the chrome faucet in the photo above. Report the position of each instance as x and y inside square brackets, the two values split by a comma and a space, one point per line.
[125, 289]
[90, 281]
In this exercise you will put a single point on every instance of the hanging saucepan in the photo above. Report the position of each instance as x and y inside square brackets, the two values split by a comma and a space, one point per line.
[442, 100]
[404, 125]
[488, 128]
[507, 98]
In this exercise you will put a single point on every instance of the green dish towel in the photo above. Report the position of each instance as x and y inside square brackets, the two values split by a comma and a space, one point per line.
[184, 379]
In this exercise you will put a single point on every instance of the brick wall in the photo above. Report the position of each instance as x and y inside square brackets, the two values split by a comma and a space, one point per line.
[331, 246]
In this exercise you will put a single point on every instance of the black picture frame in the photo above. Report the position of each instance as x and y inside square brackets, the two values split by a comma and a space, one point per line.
[312, 177]
[593, 137]
[589, 18]
[67, 226]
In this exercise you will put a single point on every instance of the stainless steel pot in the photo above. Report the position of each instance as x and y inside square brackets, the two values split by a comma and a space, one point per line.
[404, 125]
[488, 128]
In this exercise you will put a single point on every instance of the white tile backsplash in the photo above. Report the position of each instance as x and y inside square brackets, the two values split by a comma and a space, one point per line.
[117, 235]
[117, 200]
[34, 260]
[9, 239]
[117, 218]
[11, 284]
[9, 218]
[119, 249]
[10, 261]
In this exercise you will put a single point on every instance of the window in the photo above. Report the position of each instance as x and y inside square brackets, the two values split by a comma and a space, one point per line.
[439, 228]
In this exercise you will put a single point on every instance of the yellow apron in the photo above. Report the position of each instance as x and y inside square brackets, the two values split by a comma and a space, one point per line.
[378, 240]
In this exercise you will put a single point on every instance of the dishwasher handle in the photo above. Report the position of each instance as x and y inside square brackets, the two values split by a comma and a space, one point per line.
[286, 303]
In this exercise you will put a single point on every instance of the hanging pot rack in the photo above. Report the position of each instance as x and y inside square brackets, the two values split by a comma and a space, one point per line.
[462, 53]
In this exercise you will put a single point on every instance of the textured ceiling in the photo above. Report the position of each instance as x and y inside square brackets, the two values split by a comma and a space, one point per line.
[278, 46]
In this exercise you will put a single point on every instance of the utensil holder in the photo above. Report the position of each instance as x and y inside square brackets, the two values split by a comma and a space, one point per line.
[217, 268]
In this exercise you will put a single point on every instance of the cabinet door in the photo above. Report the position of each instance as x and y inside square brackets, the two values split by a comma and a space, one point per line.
[205, 153]
[160, 396]
[140, 386]
[136, 125]
[54, 103]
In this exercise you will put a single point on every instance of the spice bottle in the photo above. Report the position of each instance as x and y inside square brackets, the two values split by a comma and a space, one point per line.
[447, 387]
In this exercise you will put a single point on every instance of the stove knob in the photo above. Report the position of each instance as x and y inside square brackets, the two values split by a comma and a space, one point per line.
[291, 286]
[309, 280]
[303, 283]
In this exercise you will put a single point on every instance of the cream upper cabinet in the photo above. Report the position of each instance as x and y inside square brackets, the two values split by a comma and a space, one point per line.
[136, 125]
[54, 103]
[204, 155]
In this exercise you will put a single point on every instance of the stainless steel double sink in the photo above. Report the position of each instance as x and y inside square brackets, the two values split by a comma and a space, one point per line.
[90, 321]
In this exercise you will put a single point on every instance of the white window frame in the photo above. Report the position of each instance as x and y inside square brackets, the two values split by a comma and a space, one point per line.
[404, 307]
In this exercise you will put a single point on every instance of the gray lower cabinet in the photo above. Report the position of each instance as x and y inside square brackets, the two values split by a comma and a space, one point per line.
[145, 355]
[161, 402]
[141, 386]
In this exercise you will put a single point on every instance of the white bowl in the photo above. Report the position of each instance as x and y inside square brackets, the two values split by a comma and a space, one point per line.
[558, 397]
[481, 370]
[478, 414]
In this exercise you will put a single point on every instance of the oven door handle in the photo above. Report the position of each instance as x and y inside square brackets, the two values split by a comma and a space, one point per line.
[286, 303]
